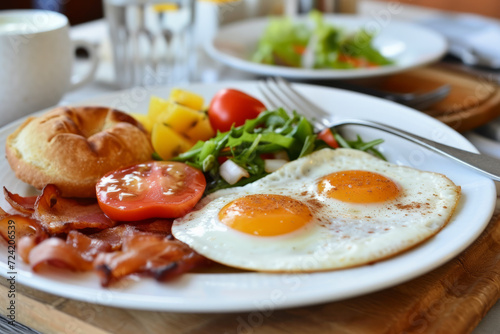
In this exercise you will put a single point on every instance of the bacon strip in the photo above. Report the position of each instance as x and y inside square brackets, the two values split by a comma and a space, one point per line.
[77, 253]
[21, 204]
[149, 255]
[116, 251]
[56, 252]
[87, 247]
[158, 226]
[61, 215]
[116, 235]
[26, 232]
[25, 245]
[16, 226]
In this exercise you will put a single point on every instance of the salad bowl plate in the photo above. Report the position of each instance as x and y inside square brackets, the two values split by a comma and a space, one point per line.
[407, 45]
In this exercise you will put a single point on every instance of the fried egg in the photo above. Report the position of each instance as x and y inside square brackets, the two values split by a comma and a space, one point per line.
[332, 209]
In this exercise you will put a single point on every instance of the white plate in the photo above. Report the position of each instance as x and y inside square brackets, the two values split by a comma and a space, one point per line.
[216, 292]
[484, 144]
[407, 44]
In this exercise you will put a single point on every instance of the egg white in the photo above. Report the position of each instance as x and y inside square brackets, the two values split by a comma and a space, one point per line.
[341, 234]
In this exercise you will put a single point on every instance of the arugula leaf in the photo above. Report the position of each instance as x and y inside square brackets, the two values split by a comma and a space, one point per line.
[359, 144]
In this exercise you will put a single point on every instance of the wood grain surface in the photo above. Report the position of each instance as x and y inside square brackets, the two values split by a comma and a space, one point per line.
[473, 100]
[450, 299]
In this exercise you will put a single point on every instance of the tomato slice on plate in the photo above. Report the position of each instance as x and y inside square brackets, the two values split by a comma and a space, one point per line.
[157, 189]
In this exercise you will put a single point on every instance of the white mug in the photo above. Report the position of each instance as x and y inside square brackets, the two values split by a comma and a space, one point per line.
[36, 61]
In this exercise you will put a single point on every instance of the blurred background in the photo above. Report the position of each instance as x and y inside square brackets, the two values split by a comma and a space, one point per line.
[80, 11]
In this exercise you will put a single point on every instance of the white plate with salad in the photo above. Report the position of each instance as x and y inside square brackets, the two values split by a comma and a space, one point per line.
[245, 291]
[319, 46]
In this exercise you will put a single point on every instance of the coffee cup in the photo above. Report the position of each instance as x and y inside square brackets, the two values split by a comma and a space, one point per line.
[36, 57]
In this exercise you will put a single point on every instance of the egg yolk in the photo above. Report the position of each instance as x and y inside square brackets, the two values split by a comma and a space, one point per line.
[358, 186]
[265, 215]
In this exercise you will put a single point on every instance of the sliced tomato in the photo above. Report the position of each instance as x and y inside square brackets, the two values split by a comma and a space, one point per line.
[231, 106]
[356, 62]
[327, 136]
[157, 189]
[300, 49]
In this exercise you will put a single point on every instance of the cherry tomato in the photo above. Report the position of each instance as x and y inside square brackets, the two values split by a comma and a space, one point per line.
[327, 136]
[159, 189]
[231, 106]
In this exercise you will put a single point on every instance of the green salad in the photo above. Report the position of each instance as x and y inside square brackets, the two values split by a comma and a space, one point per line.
[271, 132]
[316, 44]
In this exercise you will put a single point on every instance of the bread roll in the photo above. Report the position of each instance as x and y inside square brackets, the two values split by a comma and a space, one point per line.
[73, 147]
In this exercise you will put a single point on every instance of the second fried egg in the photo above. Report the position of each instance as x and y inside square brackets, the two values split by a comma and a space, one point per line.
[332, 209]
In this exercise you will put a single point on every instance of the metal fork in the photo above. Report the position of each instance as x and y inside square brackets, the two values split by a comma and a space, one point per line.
[419, 101]
[280, 93]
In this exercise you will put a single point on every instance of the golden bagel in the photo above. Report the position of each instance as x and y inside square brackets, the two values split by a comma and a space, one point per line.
[72, 147]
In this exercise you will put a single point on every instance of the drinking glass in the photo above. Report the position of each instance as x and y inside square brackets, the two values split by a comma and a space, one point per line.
[152, 41]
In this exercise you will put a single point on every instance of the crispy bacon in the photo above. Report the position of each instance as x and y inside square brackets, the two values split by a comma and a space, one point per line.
[26, 231]
[148, 255]
[115, 235]
[25, 205]
[158, 226]
[20, 225]
[56, 252]
[77, 253]
[25, 245]
[87, 247]
[61, 215]
[56, 231]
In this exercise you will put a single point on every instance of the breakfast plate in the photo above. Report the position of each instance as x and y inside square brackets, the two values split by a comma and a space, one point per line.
[245, 291]
[485, 144]
[408, 45]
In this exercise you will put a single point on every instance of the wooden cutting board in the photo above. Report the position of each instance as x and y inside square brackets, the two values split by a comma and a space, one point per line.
[450, 299]
[473, 100]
